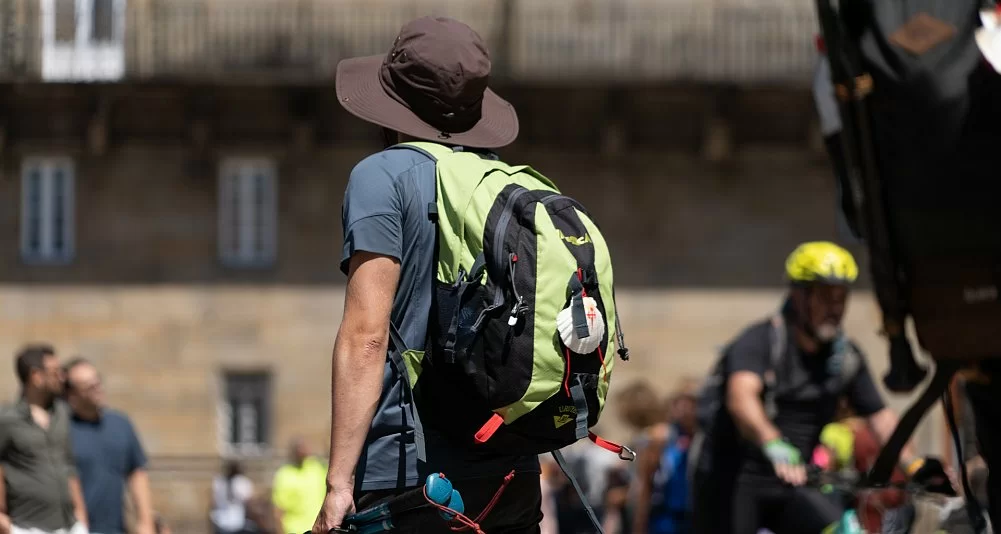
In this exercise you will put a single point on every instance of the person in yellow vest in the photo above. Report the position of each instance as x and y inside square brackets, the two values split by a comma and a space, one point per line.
[299, 488]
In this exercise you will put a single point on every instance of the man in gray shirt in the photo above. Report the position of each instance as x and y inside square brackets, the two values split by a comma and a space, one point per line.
[442, 66]
[40, 492]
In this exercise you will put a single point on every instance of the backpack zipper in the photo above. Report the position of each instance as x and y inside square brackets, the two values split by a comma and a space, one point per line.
[505, 219]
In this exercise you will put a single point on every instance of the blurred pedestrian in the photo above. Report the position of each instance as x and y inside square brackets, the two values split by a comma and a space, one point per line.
[299, 488]
[552, 480]
[109, 455]
[661, 480]
[40, 492]
[231, 491]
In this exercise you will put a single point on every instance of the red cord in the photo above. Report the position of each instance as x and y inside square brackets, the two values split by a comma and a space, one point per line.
[496, 497]
[473, 524]
[601, 356]
[470, 524]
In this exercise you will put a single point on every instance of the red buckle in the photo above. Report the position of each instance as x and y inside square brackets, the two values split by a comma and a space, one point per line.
[489, 429]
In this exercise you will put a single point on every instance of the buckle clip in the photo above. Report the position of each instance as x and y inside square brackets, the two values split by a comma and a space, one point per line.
[627, 454]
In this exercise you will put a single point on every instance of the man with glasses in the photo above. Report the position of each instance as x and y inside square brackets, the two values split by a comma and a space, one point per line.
[108, 455]
[39, 489]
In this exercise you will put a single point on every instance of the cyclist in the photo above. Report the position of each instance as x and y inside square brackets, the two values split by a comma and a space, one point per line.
[431, 86]
[750, 473]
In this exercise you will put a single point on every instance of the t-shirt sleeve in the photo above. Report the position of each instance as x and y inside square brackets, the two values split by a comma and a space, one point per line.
[137, 456]
[751, 351]
[862, 392]
[372, 215]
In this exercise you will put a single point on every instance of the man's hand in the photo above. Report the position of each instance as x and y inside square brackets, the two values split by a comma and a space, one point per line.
[336, 506]
[786, 460]
[930, 474]
[4, 524]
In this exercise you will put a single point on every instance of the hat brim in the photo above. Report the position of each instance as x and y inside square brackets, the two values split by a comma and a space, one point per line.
[360, 92]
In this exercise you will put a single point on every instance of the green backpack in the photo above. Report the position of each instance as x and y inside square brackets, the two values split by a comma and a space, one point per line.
[512, 254]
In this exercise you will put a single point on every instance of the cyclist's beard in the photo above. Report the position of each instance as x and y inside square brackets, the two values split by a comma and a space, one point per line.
[825, 333]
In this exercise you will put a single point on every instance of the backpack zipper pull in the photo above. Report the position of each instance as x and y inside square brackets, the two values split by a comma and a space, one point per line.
[519, 306]
[516, 311]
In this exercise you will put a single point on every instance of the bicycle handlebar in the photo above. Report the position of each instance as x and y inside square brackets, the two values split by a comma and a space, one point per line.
[436, 490]
[852, 481]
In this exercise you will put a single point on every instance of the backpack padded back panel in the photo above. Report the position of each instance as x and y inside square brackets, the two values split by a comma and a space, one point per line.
[935, 119]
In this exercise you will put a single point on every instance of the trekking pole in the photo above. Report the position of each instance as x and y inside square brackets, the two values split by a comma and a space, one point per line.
[437, 491]
[851, 89]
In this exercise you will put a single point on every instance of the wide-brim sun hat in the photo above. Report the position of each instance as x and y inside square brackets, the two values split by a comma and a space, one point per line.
[432, 85]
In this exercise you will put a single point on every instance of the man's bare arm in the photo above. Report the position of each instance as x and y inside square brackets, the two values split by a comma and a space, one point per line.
[358, 361]
[79, 508]
[743, 400]
[143, 499]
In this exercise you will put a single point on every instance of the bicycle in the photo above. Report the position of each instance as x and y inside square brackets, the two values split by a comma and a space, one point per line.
[437, 492]
[844, 486]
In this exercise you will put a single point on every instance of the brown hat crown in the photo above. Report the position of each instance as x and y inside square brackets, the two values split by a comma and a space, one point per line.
[439, 68]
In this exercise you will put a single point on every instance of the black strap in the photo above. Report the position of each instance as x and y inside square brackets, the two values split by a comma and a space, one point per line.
[580, 403]
[562, 462]
[619, 336]
[579, 315]
[396, 356]
[973, 509]
[778, 337]
[395, 339]
[889, 456]
[476, 271]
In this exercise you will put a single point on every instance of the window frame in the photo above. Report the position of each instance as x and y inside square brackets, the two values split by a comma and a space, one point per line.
[46, 253]
[228, 408]
[238, 247]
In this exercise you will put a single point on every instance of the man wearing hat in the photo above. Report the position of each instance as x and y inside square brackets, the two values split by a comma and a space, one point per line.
[431, 86]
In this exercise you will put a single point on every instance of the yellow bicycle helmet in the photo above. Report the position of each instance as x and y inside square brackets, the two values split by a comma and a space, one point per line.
[821, 261]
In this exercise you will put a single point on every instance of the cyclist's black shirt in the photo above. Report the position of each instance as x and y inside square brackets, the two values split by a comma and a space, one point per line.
[804, 404]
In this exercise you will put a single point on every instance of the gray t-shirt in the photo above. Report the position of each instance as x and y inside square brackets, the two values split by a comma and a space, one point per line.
[386, 212]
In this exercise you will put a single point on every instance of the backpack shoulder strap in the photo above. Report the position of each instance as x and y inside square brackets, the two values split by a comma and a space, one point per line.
[431, 150]
[778, 341]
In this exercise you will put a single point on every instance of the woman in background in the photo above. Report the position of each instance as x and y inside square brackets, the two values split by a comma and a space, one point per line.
[660, 484]
[231, 491]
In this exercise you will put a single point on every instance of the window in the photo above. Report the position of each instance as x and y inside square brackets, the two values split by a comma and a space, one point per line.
[102, 22]
[248, 217]
[244, 412]
[47, 210]
[82, 40]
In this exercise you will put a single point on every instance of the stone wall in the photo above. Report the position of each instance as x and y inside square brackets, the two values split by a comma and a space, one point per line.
[162, 349]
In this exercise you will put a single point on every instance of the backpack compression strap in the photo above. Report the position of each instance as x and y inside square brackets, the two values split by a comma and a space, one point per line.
[624, 453]
[562, 462]
[396, 356]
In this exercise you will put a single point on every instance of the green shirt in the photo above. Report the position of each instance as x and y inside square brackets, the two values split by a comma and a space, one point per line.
[299, 492]
[37, 464]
